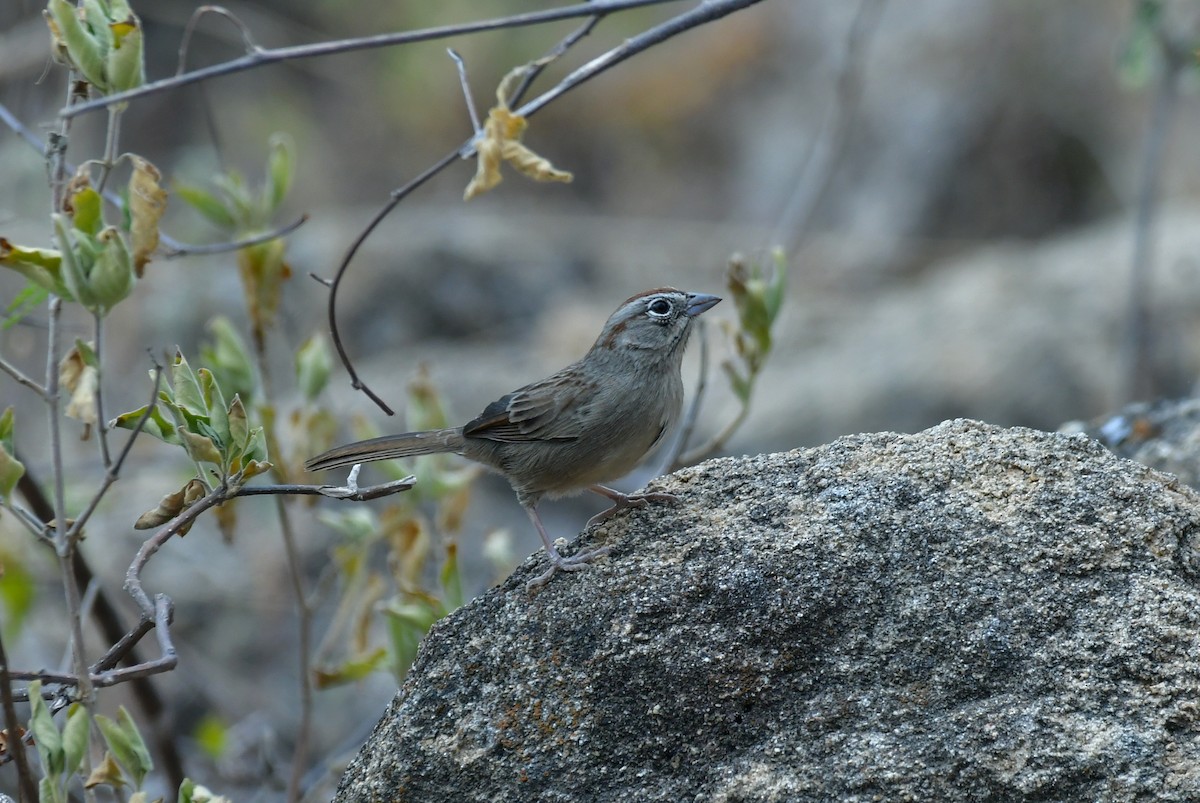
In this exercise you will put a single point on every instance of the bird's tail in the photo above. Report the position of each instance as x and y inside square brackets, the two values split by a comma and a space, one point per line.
[388, 447]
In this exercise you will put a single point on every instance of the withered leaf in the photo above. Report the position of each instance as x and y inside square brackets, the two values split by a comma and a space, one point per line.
[501, 142]
[147, 203]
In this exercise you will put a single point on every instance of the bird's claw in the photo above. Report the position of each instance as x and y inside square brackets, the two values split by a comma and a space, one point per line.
[571, 563]
[623, 501]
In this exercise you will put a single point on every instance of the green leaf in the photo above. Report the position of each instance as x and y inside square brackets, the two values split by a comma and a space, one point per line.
[186, 387]
[256, 446]
[452, 579]
[741, 386]
[75, 738]
[87, 217]
[48, 791]
[126, 745]
[87, 354]
[211, 736]
[112, 277]
[125, 65]
[229, 360]
[1141, 56]
[96, 19]
[141, 756]
[218, 418]
[773, 296]
[207, 204]
[18, 590]
[239, 430]
[84, 50]
[351, 671]
[45, 733]
[200, 447]
[11, 469]
[43, 266]
[74, 273]
[280, 165]
[31, 296]
[416, 614]
[157, 425]
[241, 205]
[314, 364]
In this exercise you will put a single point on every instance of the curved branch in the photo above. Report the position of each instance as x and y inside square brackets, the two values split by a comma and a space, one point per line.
[396, 197]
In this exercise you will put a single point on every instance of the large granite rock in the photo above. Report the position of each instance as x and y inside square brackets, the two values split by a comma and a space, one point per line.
[968, 613]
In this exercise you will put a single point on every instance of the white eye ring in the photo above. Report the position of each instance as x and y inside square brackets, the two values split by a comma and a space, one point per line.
[659, 308]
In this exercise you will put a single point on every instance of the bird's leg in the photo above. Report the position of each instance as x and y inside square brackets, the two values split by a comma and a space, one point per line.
[621, 501]
[571, 563]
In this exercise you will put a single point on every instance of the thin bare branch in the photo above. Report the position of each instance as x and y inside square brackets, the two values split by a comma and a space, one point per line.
[247, 37]
[706, 12]
[101, 420]
[305, 614]
[1139, 346]
[20, 129]
[174, 248]
[52, 404]
[111, 140]
[133, 575]
[160, 623]
[827, 149]
[262, 57]
[12, 725]
[16, 374]
[717, 442]
[344, 492]
[556, 52]
[28, 519]
[466, 88]
[396, 197]
[672, 461]
[114, 469]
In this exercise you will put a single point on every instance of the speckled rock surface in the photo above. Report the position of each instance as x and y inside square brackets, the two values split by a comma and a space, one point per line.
[968, 613]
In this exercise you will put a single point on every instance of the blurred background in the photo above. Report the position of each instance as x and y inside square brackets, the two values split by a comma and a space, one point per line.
[989, 210]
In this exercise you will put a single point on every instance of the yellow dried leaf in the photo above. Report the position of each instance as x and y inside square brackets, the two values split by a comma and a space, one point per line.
[168, 508]
[536, 167]
[193, 492]
[226, 515]
[81, 381]
[171, 506]
[106, 773]
[501, 142]
[147, 203]
[487, 168]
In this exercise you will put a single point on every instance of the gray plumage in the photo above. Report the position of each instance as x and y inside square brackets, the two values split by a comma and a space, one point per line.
[590, 423]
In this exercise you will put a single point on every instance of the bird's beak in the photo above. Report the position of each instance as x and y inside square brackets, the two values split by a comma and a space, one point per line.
[700, 302]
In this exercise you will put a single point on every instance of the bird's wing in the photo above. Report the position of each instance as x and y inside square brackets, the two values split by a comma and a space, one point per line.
[555, 409]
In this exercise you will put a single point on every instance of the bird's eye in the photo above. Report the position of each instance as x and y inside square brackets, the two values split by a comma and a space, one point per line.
[659, 307]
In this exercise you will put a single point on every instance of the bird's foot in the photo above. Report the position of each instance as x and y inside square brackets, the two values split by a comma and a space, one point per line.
[622, 501]
[570, 563]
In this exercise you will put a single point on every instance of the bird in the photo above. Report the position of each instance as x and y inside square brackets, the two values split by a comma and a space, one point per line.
[577, 429]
